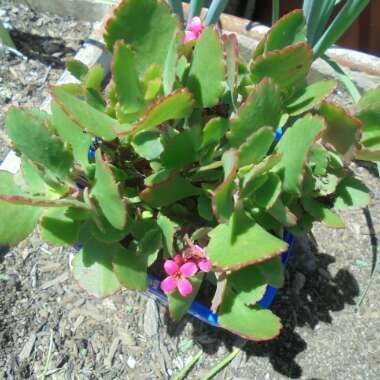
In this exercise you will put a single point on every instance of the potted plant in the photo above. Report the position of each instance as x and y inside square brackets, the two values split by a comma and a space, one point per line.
[190, 165]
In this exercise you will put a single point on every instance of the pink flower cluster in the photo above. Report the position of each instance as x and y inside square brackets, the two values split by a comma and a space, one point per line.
[182, 267]
[194, 30]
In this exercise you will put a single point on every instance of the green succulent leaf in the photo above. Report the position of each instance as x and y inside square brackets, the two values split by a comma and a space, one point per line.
[168, 228]
[288, 67]
[94, 78]
[48, 150]
[256, 147]
[273, 271]
[268, 193]
[309, 97]
[205, 81]
[343, 131]
[72, 134]
[103, 230]
[92, 268]
[84, 116]
[213, 131]
[124, 74]
[288, 30]
[177, 105]
[130, 268]
[241, 243]
[370, 118]
[147, 25]
[170, 66]
[42, 201]
[319, 160]
[222, 200]
[179, 305]
[148, 145]
[33, 182]
[169, 191]
[181, 150]
[107, 194]
[249, 283]
[295, 147]
[57, 228]
[351, 193]
[149, 245]
[282, 214]
[257, 176]
[370, 98]
[322, 213]
[262, 108]
[77, 68]
[250, 323]
[17, 221]
[204, 207]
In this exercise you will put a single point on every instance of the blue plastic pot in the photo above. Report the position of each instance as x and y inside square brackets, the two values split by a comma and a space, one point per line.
[205, 314]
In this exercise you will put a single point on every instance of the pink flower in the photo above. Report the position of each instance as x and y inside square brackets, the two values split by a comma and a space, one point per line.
[195, 25]
[197, 255]
[195, 28]
[178, 275]
[189, 36]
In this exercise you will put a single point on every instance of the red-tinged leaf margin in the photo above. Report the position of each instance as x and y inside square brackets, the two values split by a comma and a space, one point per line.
[260, 48]
[236, 268]
[274, 53]
[72, 118]
[21, 199]
[122, 3]
[344, 114]
[256, 308]
[137, 126]
[228, 179]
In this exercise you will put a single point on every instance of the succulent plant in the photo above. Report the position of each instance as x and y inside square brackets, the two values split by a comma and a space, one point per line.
[178, 157]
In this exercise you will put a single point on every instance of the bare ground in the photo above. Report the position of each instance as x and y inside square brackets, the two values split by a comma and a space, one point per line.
[128, 336]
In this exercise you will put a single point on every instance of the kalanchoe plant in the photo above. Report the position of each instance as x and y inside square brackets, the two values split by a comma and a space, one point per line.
[176, 168]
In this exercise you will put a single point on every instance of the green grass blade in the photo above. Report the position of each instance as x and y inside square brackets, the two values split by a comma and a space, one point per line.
[215, 10]
[344, 78]
[195, 9]
[275, 10]
[317, 13]
[224, 362]
[185, 370]
[5, 38]
[177, 8]
[372, 275]
[348, 14]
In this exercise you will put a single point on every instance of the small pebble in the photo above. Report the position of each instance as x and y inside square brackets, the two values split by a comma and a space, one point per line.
[131, 362]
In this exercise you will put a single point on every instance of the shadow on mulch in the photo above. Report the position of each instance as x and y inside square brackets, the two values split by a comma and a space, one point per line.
[47, 50]
[307, 299]
[3, 252]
